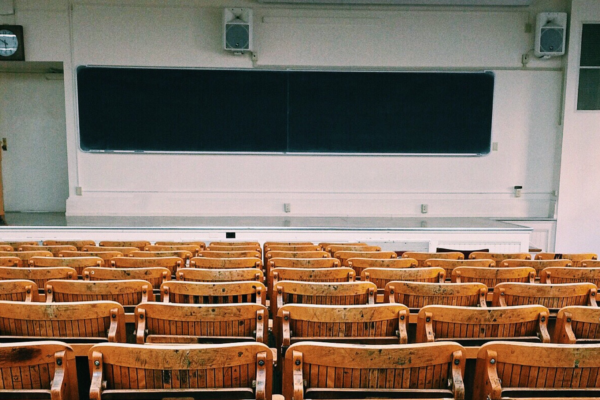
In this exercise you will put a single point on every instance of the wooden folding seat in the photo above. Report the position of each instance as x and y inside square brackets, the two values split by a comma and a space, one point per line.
[10, 262]
[339, 247]
[296, 254]
[225, 263]
[325, 245]
[293, 247]
[211, 292]
[16, 245]
[196, 243]
[171, 263]
[192, 248]
[577, 324]
[249, 247]
[493, 276]
[421, 257]
[140, 244]
[576, 258]
[233, 243]
[38, 370]
[153, 275]
[220, 275]
[287, 244]
[81, 322]
[360, 264]
[342, 274]
[214, 323]
[570, 275]
[54, 249]
[475, 326]
[348, 371]
[124, 250]
[19, 290]
[310, 263]
[38, 275]
[582, 264]
[185, 255]
[105, 255]
[538, 265]
[550, 296]
[344, 256]
[325, 293]
[499, 257]
[382, 276]
[229, 254]
[77, 243]
[5, 247]
[449, 265]
[77, 263]
[420, 294]
[127, 293]
[508, 370]
[193, 371]
[25, 255]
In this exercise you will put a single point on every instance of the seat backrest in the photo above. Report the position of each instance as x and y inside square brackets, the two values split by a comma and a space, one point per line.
[334, 248]
[41, 368]
[154, 275]
[570, 275]
[310, 263]
[183, 323]
[551, 296]
[10, 262]
[101, 320]
[473, 326]
[360, 264]
[234, 370]
[5, 247]
[538, 265]
[105, 255]
[37, 275]
[140, 244]
[121, 249]
[492, 276]
[531, 370]
[19, 290]
[582, 264]
[266, 245]
[421, 257]
[331, 293]
[77, 263]
[345, 256]
[293, 247]
[197, 243]
[382, 276]
[577, 324]
[171, 263]
[229, 254]
[77, 243]
[426, 370]
[183, 254]
[296, 254]
[233, 243]
[421, 294]
[325, 245]
[211, 292]
[225, 263]
[342, 274]
[220, 275]
[54, 249]
[449, 265]
[16, 245]
[192, 248]
[575, 258]
[126, 292]
[499, 257]
[249, 247]
[26, 255]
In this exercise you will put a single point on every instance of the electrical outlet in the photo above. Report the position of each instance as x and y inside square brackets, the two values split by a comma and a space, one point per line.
[287, 207]
[424, 208]
[525, 59]
[78, 190]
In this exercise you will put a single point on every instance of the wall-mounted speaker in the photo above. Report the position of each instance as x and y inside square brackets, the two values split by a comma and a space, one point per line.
[550, 34]
[237, 29]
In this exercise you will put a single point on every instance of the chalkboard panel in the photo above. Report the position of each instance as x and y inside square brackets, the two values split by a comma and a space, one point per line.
[128, 109]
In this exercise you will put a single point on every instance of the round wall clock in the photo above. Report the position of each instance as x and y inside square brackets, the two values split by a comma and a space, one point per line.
[12, 47]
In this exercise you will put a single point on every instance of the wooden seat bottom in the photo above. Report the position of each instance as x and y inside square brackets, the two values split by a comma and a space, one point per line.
[355, 394]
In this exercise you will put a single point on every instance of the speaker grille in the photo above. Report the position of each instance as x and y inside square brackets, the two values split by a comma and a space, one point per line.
[237, 36]
[551, 40]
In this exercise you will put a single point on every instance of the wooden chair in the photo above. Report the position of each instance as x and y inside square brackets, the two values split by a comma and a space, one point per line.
[382, 276]
[192, 248]
[127, 293]
[218, 371]
[347, 371]
[214, 323]
[6, 247]
[155, 276]
[536, 371]
[576, 258]
[342, 274]
[25, 256]
[577, 324]
[334, 248]
[570, 275]
[220, 275]
[474, 326]
[123, 249]
[16, 245]
[10, 262]
[293, 247]
[196, 243]
[550, 296]
[422, 257]
[233, 243]
[185, 255]
[309, 263]
[225, 263]
[229, 254]
[140, 244]
[249, 247]
[538, 265]
[325, 245]
[420, 294]
[54, 249]
[77, 263]
[360, 264]
[41, 369]
[582, 264]
[77, 243]
[170, 263]
[105, 255]
[296, 254]
[492, 276]
[449, 265]
[345, 256]
[266, 245]
[37, 275]
[325, 293]
[499, 257]
[208, 293]
[81, 322]
[19, 290]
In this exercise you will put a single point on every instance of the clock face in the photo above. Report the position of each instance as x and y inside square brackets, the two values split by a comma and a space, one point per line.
[8, 43]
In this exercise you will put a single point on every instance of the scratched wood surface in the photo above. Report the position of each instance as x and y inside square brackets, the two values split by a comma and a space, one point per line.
[10, 262]
[492, 276]
[576, 258]
[213, 292]
[470, 325]
[171, 263]
[155, 276]
[421, 257]
[296, 254]
[341, 274]
[449, 265]
[105, 255]
[383, 276]
[345, 256]
[570, 275]
[77, 243]
[38, 275]
[233, 243]
[183, 254]
[230, 254]
[15, 245]
[121, 249]
[360, 264]
[170, 243]
[499, 257]
[248, 247]
[334, 248]
[421, 294]
[223, 263]
[183, 323]
[140, 244]
[26, 255]
[192, 248]
[241, 370]
[553, 296]
[577, 324]
[43, 369]
[54, 249]
[309, 263]
[220, 275]
[292, 247]
[125, 292]
[585, 264]
[19, 290]
[538, 265]
[324, 245]
[77, 263]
